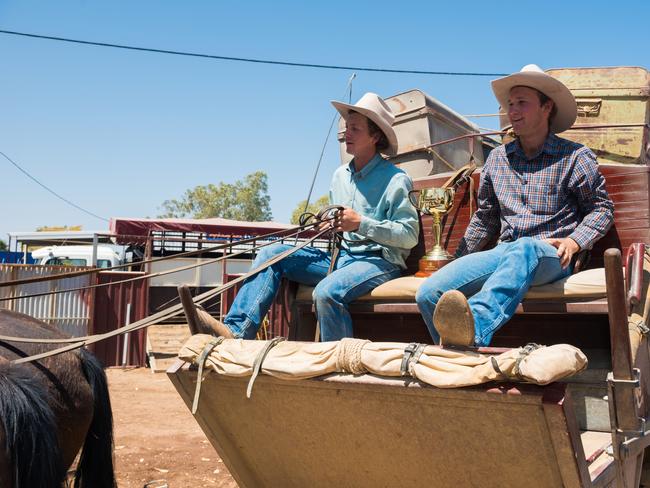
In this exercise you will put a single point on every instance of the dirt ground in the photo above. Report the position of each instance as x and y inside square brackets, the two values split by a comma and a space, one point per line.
[158, 444]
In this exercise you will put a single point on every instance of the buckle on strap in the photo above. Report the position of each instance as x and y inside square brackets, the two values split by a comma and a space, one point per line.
[411, 356]
[516, 373]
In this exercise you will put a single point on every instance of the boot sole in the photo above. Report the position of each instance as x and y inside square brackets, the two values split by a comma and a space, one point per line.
[453, 320]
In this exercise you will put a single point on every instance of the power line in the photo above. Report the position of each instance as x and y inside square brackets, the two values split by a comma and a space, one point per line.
[246, 60]
[50, 190]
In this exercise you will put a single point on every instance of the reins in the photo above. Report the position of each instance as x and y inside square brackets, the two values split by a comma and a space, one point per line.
[77, 342]
[156, 274]
[335, 246]
[73, 274]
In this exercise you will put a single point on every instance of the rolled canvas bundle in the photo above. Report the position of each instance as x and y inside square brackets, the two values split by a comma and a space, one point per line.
[434, 365]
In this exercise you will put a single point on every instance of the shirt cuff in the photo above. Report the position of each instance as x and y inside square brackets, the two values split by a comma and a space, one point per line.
[581, 239]
[366, 226]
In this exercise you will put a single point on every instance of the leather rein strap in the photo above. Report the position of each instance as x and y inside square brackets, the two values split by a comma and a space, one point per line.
[336, 248]
[77, 342]
[461, 176]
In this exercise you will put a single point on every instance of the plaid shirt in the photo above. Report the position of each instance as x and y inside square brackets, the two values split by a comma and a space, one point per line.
[557, 193]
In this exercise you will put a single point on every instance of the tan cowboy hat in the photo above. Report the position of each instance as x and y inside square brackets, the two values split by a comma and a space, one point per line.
[532, 76]
[372, 106]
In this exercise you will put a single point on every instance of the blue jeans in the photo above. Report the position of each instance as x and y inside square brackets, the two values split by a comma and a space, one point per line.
[354, 275]
[495, 282]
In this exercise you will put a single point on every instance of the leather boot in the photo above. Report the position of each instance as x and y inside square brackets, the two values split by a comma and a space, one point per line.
[200, 321]
[453, 320]
[210, 325]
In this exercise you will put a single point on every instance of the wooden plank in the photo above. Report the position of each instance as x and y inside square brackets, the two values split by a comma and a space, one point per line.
[164, 342]
[623, 185]
[598, 306]
[615, 170]
[565, 437]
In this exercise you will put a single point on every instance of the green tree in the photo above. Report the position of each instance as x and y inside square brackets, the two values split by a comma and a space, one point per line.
[313, 208]
[3, 245]
[246, 199]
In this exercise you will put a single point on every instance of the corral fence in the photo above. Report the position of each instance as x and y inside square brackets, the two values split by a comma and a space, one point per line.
[83, 312]
[69, 312]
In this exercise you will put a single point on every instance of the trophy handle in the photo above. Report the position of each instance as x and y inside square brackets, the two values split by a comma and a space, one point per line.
[414, 198]
[416, 194]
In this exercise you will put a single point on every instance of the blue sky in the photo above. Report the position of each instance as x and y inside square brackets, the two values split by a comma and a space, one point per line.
[118, 132]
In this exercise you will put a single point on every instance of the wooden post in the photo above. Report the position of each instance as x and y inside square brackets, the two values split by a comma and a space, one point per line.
[617, 308]
[623, 405]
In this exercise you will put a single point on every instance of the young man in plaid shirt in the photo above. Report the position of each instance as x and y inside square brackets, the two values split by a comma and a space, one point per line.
[541, 195]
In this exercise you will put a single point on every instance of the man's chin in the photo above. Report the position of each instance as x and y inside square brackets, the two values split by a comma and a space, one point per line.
[517, 128]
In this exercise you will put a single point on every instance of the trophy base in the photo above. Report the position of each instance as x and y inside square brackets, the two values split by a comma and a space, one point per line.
[428, 266]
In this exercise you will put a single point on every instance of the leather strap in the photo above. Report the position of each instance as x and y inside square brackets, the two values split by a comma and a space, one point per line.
[336, 248]
[141, 277]
[72, 274]
[412, 354]
[259, 360]
[201, 363]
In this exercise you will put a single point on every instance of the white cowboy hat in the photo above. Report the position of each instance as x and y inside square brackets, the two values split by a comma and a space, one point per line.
[532, 76]
[372, 106]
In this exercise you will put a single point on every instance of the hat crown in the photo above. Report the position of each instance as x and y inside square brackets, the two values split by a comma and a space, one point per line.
[373, 102]
[531, 68]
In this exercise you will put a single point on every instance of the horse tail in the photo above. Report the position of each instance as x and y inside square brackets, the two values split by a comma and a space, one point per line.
[95, 468]
[30, 435]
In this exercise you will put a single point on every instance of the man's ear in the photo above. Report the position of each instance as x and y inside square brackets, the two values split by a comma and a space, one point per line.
[548, 106]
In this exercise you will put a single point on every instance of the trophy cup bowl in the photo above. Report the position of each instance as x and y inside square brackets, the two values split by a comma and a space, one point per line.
[435, 202]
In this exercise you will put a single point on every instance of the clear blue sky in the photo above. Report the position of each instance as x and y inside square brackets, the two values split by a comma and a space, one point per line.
[118, 132]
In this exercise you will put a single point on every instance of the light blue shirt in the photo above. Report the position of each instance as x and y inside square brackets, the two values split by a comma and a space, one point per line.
[379, 193]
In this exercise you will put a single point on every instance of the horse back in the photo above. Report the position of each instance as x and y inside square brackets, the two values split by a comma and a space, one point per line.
[68, 393]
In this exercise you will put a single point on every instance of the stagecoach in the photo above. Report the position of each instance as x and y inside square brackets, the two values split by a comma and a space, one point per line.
[277, 421]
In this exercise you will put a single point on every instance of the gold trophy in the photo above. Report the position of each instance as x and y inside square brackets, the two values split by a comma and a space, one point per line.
[435, 202]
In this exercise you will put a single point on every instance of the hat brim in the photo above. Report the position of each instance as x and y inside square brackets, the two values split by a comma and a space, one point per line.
[345, 108]
[567, 109]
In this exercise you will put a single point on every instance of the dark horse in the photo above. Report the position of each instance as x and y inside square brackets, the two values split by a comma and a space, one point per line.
[49, 409]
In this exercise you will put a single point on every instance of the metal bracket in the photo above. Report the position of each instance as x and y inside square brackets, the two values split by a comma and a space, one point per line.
[633, 383]
[634, 442]
[625, 443]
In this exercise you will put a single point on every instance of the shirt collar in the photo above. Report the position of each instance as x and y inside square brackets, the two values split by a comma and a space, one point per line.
[372, 164]
[550, 147]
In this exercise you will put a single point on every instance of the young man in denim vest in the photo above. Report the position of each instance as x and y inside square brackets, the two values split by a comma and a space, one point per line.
[541, 195]
[379, 224]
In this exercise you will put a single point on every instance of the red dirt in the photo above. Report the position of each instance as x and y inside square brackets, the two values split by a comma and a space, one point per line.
[156, 437]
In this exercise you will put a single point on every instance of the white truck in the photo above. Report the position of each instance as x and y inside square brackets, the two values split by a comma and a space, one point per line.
[77, 256]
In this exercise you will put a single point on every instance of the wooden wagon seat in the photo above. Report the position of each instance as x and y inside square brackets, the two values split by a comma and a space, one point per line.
[585, 284]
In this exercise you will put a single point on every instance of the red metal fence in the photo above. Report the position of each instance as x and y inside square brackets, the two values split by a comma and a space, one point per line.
[110, 312]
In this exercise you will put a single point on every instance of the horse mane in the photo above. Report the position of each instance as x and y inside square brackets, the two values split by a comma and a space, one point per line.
[29, 425]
